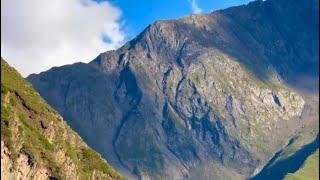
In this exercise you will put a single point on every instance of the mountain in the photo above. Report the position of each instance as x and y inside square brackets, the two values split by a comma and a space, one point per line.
[212, 96]
[36, 143]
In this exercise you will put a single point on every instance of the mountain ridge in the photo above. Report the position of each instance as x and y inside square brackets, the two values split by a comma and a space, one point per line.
[202, 91]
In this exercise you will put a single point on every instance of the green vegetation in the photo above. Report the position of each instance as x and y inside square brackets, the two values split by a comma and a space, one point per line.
[32, 132]
[304, 138]
[93, 162]
[23, 113]
[309, 171]
[13, 82]
[5, 131]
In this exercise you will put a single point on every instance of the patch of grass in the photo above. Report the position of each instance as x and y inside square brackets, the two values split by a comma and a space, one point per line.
[4, 114]
[42, 156]
[304, 138]
[12, 102]
[90, 161]
[71, 152]
[44, 141]
[6, 133]
[12, 81]
[4, 91]
[309, 171]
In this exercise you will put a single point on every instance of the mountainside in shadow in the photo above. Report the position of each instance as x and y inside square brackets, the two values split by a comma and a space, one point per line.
[35, 141]
[210, 96]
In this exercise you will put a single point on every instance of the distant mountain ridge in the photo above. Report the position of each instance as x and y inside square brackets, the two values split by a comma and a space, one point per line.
[202, 97]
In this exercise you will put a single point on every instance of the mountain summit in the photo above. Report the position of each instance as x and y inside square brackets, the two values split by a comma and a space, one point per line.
[210, 96]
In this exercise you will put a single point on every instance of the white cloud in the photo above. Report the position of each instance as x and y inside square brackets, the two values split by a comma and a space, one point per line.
[39, 34]
[194, 6]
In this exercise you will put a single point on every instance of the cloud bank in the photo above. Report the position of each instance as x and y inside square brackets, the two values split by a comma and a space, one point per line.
[194, 6]
[38, 34]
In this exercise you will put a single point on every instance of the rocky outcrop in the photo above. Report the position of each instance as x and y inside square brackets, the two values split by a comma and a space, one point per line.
[203, 96]
[23, 169]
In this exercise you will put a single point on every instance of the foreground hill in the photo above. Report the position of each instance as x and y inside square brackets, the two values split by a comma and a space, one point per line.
[36, 143]
[211, 96]
[309, 171]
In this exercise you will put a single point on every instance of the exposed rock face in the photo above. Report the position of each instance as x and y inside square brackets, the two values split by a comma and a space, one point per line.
[201, 97]
[35, 141]
[23, 169]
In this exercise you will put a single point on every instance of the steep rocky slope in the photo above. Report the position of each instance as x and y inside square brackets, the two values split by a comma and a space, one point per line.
[202, 97]
[35, 141]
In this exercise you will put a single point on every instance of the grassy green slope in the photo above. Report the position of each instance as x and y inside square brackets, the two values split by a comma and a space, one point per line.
[309, 171]
[30, 126]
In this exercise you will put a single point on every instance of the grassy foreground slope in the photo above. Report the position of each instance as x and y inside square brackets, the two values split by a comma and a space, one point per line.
[35, 141]
[309, 171]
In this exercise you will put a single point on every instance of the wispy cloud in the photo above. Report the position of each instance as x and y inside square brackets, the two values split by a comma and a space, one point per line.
[37, 34]
[194, 6]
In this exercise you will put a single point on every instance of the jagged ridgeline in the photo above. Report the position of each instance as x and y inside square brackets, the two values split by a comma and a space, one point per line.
[36, 143]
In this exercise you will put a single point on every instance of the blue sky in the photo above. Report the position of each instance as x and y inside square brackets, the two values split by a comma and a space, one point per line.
[138, 14]
[63, 32]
